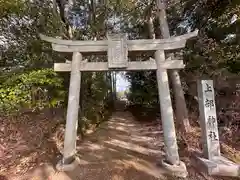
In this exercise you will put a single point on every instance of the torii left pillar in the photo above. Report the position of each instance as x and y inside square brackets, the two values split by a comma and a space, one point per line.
[69, 161]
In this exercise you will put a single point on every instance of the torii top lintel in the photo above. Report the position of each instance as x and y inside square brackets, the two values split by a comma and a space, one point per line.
[117, 47]
[132, 45]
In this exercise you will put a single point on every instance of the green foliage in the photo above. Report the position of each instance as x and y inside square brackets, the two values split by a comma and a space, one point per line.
[35, 89]
[143, 88]
[10, 6]
[94, 99]
[120, 94]
[210, 54]
[20, 24]
[215, 52]
[22, 52]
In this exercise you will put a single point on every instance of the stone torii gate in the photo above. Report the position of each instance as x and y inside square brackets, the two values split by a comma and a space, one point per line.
[117, 47]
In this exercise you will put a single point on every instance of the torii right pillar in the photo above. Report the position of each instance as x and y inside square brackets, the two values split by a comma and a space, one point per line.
[172, 163]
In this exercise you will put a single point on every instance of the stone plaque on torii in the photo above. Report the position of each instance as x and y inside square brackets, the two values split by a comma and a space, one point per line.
[117, 47]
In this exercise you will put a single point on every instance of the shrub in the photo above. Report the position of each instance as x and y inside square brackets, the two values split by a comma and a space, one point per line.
[36, 89]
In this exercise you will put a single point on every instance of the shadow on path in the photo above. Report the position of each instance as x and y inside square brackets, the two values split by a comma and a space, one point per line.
[120, 149]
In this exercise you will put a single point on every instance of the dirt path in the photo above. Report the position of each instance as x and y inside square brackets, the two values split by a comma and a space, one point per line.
[121, 149]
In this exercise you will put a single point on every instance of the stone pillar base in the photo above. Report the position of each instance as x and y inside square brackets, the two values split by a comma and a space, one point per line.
[219, 166]
[174, 170]
[67, 167]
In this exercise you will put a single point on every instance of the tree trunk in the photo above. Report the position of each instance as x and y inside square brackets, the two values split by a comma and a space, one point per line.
[114, 85]
[151, 28]
[54, 7]
[151, 32]
[110, 85]
[181, 108]
[64, 12]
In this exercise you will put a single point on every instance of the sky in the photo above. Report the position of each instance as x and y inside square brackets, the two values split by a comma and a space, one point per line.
[121, 83]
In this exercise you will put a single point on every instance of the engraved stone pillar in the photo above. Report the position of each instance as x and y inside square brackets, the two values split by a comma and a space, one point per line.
[170, 141]
[212, 161]
[208, 119]
[72, 110]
